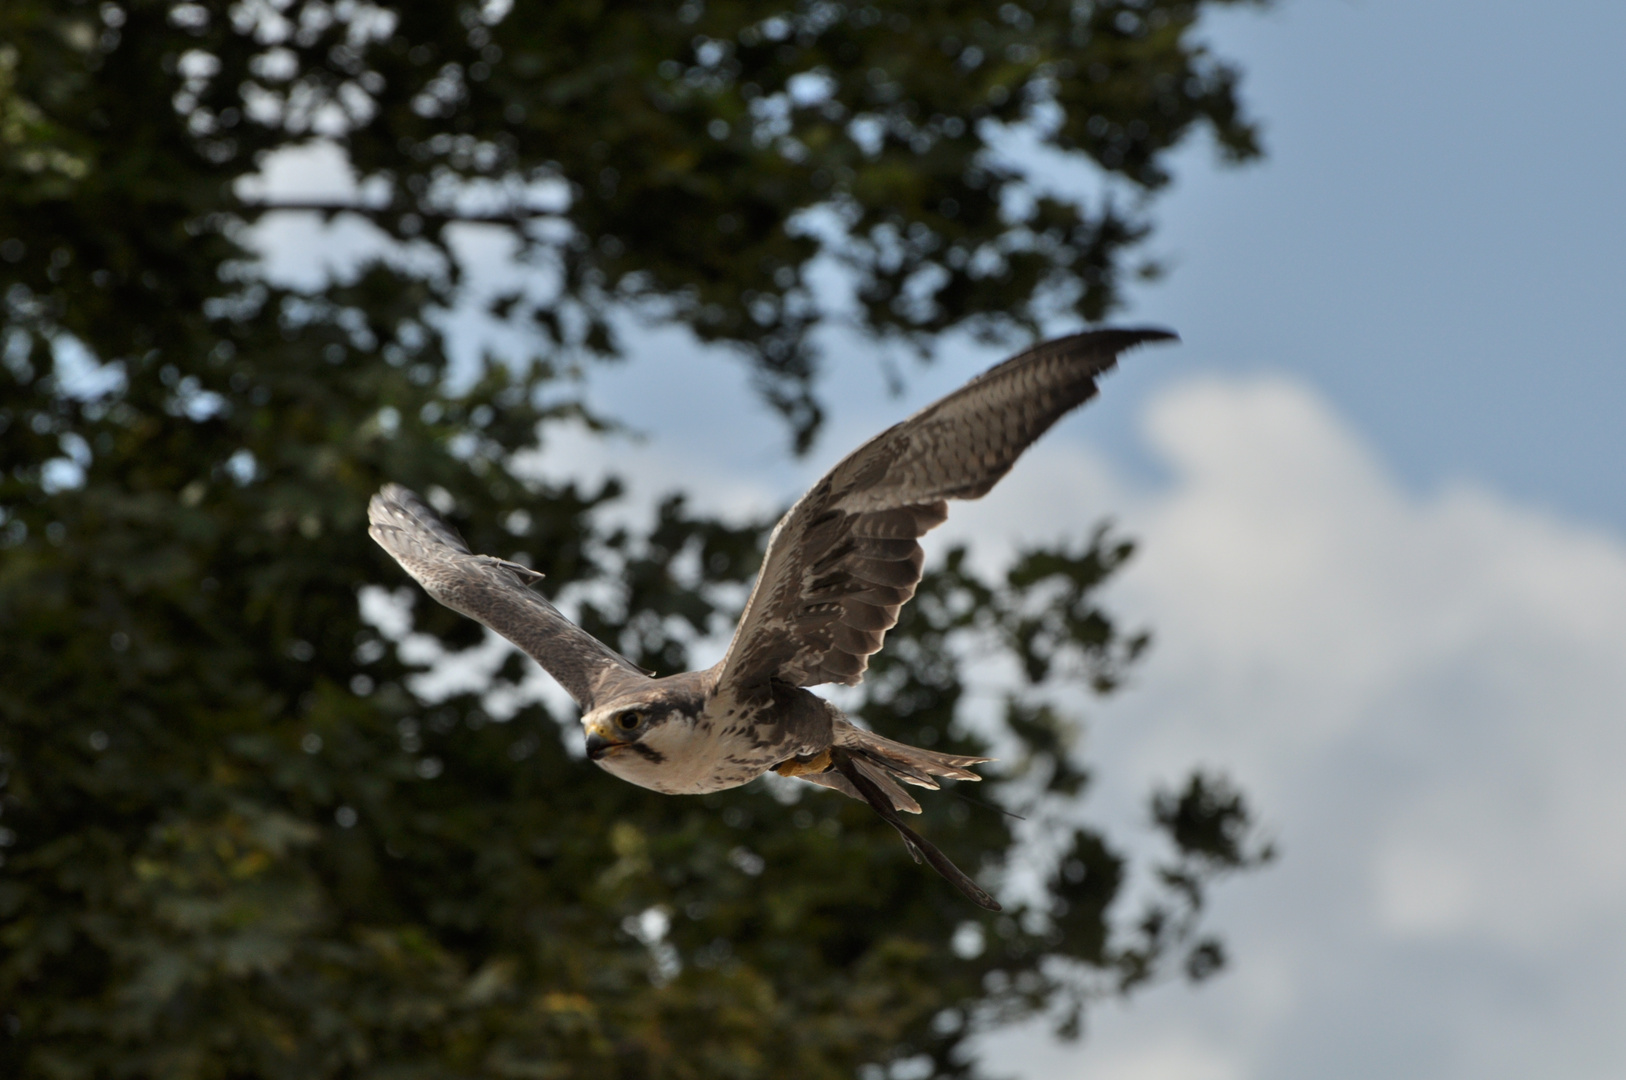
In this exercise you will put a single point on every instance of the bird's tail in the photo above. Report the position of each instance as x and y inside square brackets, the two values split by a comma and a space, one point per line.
[853, 769]
[886, 761]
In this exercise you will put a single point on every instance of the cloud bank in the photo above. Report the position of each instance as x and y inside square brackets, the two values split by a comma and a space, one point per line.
[1424, 694]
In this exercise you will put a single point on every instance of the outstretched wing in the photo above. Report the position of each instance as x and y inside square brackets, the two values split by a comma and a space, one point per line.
[846, 557]
[494, 592]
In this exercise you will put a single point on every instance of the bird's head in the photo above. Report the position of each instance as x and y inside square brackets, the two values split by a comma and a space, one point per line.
[640, 736]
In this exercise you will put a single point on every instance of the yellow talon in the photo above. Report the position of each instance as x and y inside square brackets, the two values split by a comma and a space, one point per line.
[797, 766]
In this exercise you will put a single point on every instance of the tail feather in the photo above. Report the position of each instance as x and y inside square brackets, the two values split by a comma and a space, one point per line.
[881, 776]
[908, 763]
[886, 761]
[858, 777]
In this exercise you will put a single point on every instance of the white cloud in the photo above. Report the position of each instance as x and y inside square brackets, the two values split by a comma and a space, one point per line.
[1477, 645]
[1178, 1058]
[1425, 693]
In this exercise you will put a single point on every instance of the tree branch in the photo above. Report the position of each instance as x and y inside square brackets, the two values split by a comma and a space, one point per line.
[380, 213]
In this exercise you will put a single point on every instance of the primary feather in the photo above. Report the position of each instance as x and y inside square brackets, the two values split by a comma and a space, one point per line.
[496, 593]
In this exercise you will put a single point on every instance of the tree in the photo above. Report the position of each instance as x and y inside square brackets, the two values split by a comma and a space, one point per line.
[236, 843]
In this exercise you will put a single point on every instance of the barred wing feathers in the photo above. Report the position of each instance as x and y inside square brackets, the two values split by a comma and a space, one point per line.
[846, 558]
[495, 592]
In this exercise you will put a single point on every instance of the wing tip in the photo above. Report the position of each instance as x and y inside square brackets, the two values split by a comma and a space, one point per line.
[393, 498]
[395, 512]
[1096, 350]
[1152, 333]
[1122, 338]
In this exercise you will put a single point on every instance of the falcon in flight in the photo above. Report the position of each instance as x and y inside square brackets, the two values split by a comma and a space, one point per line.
[840, 564]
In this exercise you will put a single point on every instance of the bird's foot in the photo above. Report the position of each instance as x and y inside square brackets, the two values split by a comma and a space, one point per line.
[797, 766]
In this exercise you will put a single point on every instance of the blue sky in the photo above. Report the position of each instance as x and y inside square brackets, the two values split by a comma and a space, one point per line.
[1437, 241]
[1383, 540]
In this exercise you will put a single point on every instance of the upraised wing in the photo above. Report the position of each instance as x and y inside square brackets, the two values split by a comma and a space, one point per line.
[846, 557]
[495, 592]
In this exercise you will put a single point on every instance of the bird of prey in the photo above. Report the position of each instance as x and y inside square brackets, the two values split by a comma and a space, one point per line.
[839, 566]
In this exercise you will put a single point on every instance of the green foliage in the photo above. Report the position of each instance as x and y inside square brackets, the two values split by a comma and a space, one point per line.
[690, 162]
[235, 841]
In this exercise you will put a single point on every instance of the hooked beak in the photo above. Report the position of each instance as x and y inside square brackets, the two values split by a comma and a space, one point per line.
[598, 744]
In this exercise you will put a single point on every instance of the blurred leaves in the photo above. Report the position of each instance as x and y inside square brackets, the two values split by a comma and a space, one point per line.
[234, 841]
[692, 163]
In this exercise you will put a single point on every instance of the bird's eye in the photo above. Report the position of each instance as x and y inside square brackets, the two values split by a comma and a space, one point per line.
[629, 720]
